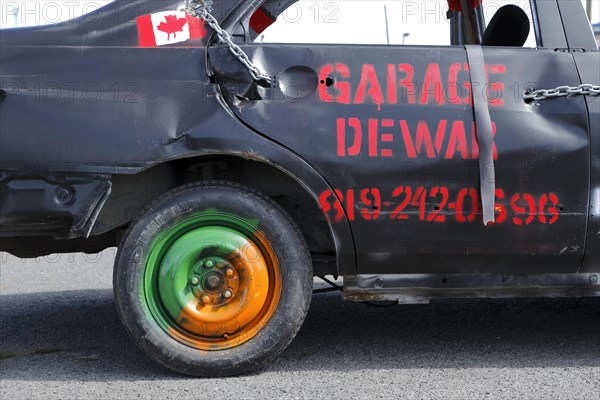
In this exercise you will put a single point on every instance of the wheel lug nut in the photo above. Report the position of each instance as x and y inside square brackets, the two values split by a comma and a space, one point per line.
[229, 272]
[194, 280]
[209, 264]
[205, 299]
[227, 294]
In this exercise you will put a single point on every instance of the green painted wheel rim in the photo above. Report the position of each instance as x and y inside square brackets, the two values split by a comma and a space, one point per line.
[210, 255]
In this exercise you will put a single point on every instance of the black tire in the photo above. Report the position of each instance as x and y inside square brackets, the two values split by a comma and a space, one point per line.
[271, 221]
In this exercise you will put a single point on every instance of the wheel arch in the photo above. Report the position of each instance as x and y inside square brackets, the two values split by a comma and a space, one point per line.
[290, 181]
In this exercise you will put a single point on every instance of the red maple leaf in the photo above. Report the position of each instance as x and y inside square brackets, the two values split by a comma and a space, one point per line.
[172, 24]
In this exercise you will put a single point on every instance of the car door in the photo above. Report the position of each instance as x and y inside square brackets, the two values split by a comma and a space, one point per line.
[391, 128]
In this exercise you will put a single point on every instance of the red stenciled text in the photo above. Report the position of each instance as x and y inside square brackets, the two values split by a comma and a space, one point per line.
[437, 204]
[399, 85]
[384, 137]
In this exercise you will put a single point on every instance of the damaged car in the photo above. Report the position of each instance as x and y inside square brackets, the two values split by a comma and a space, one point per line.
[233, 153]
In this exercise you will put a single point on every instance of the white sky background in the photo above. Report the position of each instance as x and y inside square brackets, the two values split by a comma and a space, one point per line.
[363, 21]
[44, 12]
[308, 21]
[349, 21]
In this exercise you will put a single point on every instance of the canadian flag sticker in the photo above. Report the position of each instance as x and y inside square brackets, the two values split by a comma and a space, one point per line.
[168, 27]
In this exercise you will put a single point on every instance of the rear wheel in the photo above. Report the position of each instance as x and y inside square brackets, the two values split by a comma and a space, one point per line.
[213, 280]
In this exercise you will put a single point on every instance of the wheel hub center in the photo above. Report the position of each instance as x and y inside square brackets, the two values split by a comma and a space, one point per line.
[213, 282]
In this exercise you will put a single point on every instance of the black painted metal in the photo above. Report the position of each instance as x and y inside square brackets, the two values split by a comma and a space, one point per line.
[422, 288]
[534, 145]
[588, 71]
[579, 34]
[159, 104]
[548, 24]
[55, 205]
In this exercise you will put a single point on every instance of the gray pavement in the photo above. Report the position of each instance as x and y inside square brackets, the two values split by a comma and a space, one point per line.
[60, 337]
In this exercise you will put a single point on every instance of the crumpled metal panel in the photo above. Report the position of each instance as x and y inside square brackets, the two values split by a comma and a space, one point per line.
[90, 84]
[85, 98]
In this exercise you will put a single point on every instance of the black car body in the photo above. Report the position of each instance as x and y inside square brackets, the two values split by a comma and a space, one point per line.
[372, 150]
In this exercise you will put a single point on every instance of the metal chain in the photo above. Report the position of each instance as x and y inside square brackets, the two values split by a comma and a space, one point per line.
[199, 9]
[561, 91]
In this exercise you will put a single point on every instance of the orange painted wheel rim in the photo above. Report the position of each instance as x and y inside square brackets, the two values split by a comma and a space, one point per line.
[213, 281]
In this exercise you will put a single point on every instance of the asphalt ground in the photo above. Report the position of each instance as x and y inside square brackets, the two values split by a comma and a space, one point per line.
[60, 337]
